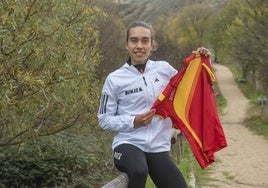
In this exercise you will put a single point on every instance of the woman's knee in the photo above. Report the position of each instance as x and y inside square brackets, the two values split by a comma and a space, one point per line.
[139, 172]
[138, 177]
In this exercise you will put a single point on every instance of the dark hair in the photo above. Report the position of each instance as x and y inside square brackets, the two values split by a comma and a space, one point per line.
[147, 26]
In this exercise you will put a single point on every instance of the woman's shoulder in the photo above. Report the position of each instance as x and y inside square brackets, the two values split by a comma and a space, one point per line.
[160, 64]
[119, 72]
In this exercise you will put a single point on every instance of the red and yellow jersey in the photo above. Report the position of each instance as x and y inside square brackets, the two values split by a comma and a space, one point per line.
[189, 101]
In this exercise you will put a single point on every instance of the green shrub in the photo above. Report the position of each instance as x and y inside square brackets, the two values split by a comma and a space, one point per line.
[58, 160]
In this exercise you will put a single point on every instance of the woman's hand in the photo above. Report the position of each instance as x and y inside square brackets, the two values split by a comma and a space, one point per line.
[203, 51]
[144, 119]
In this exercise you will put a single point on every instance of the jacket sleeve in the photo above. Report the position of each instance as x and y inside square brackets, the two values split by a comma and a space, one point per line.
[107, 114]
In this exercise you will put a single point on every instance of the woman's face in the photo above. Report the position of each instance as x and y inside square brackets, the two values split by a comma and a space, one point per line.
[139, 44]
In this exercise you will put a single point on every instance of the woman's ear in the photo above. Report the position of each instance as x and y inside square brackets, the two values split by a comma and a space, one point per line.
[126, 46]
[154, 46]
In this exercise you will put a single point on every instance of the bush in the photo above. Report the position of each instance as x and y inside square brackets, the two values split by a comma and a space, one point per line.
[16, 172]
[58, 160]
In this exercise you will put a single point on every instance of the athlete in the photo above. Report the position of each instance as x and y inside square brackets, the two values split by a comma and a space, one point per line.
[141, 143]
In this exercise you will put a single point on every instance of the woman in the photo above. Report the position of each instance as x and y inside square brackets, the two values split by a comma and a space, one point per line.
[141, 144]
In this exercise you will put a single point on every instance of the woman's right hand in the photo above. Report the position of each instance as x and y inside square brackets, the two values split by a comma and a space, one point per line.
[144, 119]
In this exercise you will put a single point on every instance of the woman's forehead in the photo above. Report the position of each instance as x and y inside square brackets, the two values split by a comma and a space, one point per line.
[139, 32]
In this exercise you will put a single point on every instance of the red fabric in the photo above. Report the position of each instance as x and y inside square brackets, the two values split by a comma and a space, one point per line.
[205, 134]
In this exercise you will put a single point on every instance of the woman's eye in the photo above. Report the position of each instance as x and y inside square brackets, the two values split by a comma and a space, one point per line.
[145, 41]
[134, 40]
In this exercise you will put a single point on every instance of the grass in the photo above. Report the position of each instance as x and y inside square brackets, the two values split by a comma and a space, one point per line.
[228, 175]
[201, 175]
[185, 165]
[255, 121]
[150, 183]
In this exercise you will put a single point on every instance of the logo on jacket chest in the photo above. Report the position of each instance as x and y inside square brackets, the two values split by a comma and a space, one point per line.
[132, 91]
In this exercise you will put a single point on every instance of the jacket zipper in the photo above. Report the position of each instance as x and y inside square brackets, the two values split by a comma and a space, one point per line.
[144, 80]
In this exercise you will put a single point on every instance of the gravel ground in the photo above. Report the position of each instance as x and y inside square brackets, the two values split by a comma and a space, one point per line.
[244, 162]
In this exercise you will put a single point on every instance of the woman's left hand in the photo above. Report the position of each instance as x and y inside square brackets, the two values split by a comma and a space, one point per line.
[203, 51]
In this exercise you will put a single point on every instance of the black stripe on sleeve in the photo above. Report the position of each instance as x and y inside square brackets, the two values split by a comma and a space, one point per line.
[104, 100]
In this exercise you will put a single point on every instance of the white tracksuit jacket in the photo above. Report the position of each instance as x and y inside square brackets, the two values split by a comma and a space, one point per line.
[127, 93]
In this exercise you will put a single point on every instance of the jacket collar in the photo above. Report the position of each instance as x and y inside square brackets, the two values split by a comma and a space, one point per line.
[139, 67]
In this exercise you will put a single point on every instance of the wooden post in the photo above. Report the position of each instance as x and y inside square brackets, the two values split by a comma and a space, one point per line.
[264, 107]
[120, 182]
[177, 145]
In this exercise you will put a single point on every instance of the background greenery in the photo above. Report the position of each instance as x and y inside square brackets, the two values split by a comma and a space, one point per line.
[54, 56]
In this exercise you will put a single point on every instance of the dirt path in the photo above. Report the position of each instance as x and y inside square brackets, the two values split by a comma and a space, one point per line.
[244, 163]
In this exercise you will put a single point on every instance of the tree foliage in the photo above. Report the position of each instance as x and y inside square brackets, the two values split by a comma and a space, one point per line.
[242, 32]
[190, 27]
[112, 39]
[64, 159]
[48, 53]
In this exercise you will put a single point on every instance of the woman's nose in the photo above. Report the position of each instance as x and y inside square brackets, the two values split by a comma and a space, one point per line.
[139, 44]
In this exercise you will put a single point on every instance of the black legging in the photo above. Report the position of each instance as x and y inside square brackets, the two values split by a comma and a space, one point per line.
[137, 164]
